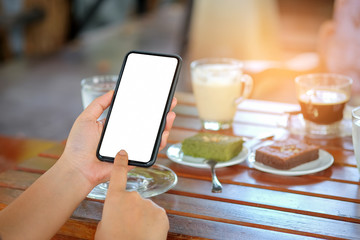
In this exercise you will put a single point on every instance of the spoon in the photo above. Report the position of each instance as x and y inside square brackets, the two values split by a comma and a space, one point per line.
[216, 185]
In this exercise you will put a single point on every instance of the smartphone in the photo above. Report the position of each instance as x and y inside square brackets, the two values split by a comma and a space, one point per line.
[141, 101]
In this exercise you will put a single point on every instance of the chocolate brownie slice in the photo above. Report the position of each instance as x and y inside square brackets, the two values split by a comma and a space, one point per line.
[286, 154]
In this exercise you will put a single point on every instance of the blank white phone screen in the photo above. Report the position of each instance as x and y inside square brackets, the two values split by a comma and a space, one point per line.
[139, 106]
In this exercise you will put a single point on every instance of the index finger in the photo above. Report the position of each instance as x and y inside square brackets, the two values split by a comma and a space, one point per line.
[118, 176]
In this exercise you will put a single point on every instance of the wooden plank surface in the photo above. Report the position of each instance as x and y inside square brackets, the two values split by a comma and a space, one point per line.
[253, 204]
[201, 191]
[16, 149]
[193, 178]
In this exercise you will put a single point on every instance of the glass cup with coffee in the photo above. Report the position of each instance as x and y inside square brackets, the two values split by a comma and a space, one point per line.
[322, 99]
[219, 85]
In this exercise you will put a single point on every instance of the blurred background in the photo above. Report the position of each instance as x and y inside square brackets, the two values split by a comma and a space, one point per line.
[48, 46]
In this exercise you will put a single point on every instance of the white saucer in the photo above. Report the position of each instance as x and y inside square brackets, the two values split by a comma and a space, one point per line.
[175, 154]
[324, 161]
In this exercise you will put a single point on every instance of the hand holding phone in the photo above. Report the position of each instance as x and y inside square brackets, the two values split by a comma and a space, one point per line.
[141, 101]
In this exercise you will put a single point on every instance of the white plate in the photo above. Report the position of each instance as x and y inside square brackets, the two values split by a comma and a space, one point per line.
[324, 161]
[175, 154]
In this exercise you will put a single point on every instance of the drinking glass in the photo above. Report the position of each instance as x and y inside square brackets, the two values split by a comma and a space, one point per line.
[356, 134]
[147, 181]
[219, 85]
[322, 98]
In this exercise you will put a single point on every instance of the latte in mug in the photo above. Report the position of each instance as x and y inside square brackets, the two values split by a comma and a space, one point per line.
[216, 90]
[219, 85]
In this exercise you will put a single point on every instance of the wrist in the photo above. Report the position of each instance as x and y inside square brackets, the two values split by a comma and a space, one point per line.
[74, 176]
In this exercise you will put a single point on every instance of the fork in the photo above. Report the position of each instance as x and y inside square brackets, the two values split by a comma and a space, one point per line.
[216, 185]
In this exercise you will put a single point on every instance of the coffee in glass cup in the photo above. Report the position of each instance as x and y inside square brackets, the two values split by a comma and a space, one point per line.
[322, 98]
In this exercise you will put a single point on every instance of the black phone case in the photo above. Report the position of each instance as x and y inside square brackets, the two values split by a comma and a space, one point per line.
[163, 120]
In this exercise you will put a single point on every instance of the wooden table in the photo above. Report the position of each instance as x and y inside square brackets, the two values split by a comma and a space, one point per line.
[253, 204]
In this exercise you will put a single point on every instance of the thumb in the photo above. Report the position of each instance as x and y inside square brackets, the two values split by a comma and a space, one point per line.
[98, 106]
[119, 172]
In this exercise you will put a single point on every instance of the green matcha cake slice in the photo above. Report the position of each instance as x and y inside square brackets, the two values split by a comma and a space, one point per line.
[212, 146]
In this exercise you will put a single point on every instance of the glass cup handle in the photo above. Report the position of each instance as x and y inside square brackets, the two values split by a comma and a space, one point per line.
[246, 89]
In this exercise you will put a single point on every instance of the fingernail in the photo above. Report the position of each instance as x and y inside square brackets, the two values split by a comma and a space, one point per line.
[122, 153]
